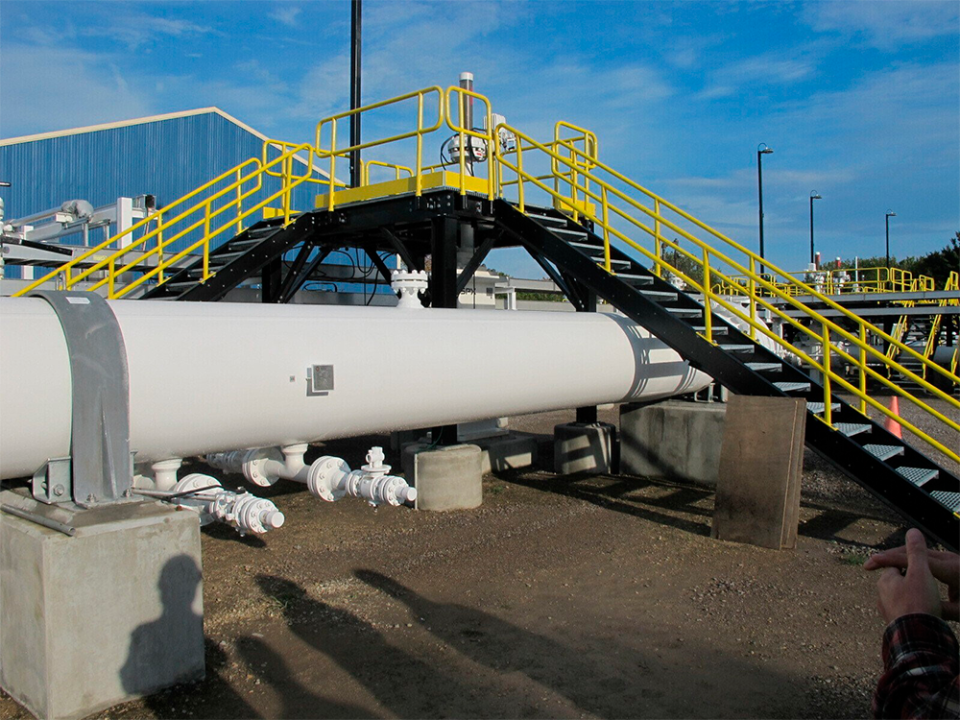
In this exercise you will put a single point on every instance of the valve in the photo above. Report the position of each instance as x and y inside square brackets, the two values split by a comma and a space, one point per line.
[244, 511]
[330, 478]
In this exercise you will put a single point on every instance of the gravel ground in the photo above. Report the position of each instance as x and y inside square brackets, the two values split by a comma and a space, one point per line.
[560, 597]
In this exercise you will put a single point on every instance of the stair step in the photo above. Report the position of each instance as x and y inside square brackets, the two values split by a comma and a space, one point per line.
[684, 311]
[716, 329]
[737, 348]
[635, 279]
[764, 367]
[226, 257]
[788, 387]
[950, 500]
[918, 476]
[568, 234]
[851, 429]
[583, 246]
[660, 295]
[818, 408]
[884, 452]
[548, 220]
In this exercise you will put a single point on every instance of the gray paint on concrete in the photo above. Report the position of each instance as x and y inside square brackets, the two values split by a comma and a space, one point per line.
[446, 478]
[673, 440]
[585, 448]
[113, 613]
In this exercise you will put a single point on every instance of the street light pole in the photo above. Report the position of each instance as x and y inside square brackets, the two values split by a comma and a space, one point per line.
[762, 150]
[814, 195]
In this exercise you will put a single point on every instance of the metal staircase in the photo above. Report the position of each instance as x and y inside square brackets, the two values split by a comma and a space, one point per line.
[905, 479]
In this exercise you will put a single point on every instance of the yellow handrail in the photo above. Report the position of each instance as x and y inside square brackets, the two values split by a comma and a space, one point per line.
[249, 180]
[366, 165]
[488, 136]
[334, 152]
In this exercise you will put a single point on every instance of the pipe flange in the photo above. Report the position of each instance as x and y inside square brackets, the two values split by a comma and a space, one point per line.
[195, 481]
[323, 478]
[254, 464]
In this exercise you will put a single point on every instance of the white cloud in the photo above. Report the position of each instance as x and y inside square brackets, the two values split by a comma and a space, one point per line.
[40, 81]
[886, 25]
[286, 15]
[765, 69]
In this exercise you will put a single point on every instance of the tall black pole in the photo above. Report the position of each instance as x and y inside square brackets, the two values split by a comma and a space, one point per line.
[811, 229]
[355, 91]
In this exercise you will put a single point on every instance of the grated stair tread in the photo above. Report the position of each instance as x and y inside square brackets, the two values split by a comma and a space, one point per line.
[737, 348]
[717, 329]
[635, 279]
[851, 429]
[764, 366]
[950, 500]
[788, 387]
[818, 408]
[918, 476]
[883, 452]
[659, 295]
[685, 312]
[548, 220]
[567, 234]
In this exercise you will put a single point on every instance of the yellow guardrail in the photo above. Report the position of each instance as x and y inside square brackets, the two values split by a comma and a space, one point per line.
[397, 169]
[178, 219]
[716, 264]
[334, 152]
[852, 281]
[933, 337]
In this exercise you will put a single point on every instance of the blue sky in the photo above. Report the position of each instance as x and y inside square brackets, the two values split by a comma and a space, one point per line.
[860, 100]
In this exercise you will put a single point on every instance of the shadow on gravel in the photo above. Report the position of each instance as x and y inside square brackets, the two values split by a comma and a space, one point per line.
[402, 683]
[611, 496]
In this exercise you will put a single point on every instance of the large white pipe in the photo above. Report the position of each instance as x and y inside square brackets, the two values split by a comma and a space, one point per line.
[206, 377]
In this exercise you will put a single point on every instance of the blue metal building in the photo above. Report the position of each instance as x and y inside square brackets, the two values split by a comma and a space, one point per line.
[164, 155]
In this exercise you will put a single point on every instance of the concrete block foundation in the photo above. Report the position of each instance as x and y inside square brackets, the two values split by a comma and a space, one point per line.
[585, 448]
[672, 440]
[446, 478]
[113, 613]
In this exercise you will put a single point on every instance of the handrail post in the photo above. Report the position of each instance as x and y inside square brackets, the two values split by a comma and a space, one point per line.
[752, 291]
[206, 241]
[520, 191]
[333, 163]
[606, 229]
[112, 275]
[827, 397]
[657, 239]
[863, 368]
[707, 291]
[418, 182]
[160, 278]
[239, 202]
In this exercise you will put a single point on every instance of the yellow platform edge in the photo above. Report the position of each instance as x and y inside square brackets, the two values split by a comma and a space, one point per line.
[430, 181]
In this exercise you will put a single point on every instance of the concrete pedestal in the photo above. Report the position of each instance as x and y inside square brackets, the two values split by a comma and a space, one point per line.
[585, 448]
[110, 614]
[672, 440]
[509, 452]
[761, 465]
[446, 478]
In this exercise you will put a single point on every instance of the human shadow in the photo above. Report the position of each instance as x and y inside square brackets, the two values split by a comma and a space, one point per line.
[506, 648]
[403, 683]
[297, 700]
[172, 650]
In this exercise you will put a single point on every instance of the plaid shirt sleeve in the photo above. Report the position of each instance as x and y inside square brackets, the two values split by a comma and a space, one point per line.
[920, 660]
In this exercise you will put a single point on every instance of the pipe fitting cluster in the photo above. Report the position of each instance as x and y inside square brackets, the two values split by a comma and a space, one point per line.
[247, 513]
[329, 478]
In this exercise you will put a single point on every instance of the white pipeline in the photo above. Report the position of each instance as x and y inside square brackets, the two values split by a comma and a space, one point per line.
[205, 377]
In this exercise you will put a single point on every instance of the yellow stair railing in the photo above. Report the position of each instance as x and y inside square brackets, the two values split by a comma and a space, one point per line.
[933, 337]
[213, 209]
[856, 347]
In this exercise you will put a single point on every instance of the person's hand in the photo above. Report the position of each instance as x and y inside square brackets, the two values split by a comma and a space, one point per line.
[944, 566]
[916, 591]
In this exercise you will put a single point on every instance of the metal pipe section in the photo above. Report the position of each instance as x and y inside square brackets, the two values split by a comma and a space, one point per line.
[206, 377]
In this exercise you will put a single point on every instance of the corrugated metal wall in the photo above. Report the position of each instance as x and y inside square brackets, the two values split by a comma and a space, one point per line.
[167, 158]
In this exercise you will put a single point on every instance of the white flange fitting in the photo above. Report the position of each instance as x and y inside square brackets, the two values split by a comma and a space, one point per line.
[245, 512]
[408, 284]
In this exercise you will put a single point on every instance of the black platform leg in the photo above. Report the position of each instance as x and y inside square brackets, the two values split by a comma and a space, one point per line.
[443, 290]
[587, 414]
[270, 285]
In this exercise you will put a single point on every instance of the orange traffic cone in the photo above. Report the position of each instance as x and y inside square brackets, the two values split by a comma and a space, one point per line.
[891, 425]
